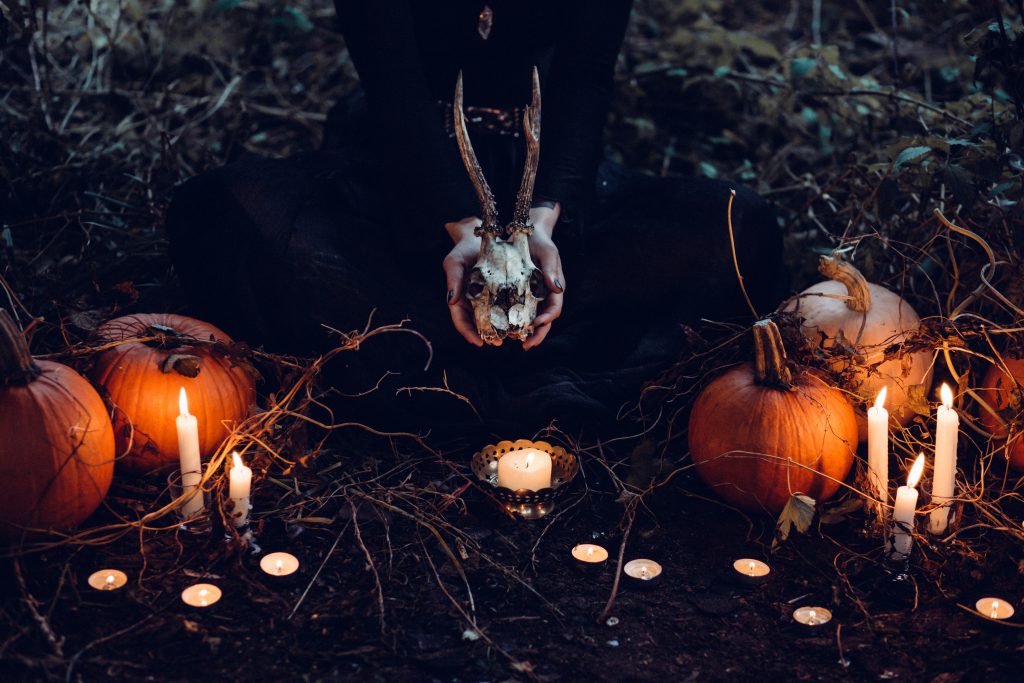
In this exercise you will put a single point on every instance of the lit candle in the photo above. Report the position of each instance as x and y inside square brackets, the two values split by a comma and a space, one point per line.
[108, 579]
[751, 571]
[201, 595]
[279, 564]
[811, 618]
[643, 573]
[903, 515]
[528, 469]
[994, 608]
[238, 490]
[189, 456]
[589, 556]
[878, 453]
[944, 475]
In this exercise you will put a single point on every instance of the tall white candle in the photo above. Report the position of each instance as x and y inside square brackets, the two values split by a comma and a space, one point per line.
[528, 469]
[189, 456]
[878, 453]
[944, 478]
[239, 488]
[903, 515]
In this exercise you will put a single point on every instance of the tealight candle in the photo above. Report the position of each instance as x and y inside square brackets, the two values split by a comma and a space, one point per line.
[878, 453]
[239, 487]
[811, 618]
[201, 595]
[944, 475]
[589, 556]
[529, 468]
[751, 571]
[642, 573]
[189, 457]
[903, 515]
[108, 579]
[994, 608]
[279, 564]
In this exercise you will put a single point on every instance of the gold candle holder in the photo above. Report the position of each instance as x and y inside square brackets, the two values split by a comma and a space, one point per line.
[523, 502]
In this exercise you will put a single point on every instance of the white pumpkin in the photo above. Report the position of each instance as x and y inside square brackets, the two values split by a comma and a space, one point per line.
[867, 319]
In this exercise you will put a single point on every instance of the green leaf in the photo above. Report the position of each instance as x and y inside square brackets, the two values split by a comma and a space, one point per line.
[801, 66]
[909, 154]
[798, 514]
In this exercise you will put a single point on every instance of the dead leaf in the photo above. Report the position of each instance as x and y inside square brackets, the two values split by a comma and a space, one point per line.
[798, 514]
[183, 364]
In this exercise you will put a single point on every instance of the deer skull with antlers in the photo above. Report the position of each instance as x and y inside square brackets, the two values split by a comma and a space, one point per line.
[504, 286]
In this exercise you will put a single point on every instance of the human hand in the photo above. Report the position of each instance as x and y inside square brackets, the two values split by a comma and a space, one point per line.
[546, 257]
[457, 263]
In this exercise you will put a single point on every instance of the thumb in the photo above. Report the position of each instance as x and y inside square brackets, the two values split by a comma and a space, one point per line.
[551, 267]
[454, 271]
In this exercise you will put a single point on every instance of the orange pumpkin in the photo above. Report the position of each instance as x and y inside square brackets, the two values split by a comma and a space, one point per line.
[56, 442]
[143, 377]
[762, 431]
[867, 318]
[1005, 394]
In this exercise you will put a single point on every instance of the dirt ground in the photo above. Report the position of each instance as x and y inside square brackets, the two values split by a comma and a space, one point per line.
[409, 570]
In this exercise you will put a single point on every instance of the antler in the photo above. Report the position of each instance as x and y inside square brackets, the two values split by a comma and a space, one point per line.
[531, 132]
[488, 208]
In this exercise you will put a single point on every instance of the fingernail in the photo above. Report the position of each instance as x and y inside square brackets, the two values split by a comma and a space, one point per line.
[558, 284]
[451, 293]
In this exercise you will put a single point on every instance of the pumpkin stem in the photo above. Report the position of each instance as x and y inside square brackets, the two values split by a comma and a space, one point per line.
[16, 363]
[770, 356]
[835, 268]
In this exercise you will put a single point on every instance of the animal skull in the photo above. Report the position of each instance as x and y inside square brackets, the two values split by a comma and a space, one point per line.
[504, 286]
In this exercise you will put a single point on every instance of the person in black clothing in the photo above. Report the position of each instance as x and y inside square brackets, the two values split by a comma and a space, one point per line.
[274, 250]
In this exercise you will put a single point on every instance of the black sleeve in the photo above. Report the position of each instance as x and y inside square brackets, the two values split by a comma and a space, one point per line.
[381, 40]
[576, 99]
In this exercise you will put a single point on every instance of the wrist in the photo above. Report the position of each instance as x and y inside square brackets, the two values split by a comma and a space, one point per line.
[545, 217]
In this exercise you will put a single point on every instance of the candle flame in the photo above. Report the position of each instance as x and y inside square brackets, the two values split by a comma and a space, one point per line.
[916, 471]
[995, 609]
[238, 459]
[643, 572]
[880, 399]
[812, 617]
[278, 566]
[751, 566]
[110, 582]
[202, 596]
[183, 402]
[529, 460]
[947, 396]
[590, 550]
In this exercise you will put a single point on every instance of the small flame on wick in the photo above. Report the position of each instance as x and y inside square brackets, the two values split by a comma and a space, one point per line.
[183, 402]
[751, 566]
[812, 618]
[995, 609]
[880, 399]
[643, 572]
[916, 471]
[947, 396]
[590, 550]
[278, 566]
[529, 460]
[109, 583]
[202, 596]
[238, 460]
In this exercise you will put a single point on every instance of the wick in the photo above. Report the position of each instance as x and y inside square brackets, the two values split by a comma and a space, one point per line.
[278, 565]
[995, 609]
[529, 460]
[750, 568]
[110, 582]
[812, 618]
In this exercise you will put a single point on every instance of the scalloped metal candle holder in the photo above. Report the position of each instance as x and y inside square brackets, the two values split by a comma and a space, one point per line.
[525, 503]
